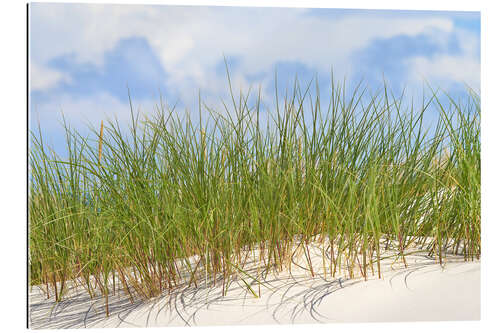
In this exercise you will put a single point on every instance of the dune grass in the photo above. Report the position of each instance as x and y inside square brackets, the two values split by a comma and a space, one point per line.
[171, 194]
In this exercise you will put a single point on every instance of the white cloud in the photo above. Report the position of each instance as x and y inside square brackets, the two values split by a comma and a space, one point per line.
[445, 70]
[449, 69]
[190, 41]
[82, 111]
[43, 78]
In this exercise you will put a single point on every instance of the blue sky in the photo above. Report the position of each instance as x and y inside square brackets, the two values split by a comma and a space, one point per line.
[84, 57]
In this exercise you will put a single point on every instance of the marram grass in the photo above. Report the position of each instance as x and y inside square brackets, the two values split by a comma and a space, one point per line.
[168, 203]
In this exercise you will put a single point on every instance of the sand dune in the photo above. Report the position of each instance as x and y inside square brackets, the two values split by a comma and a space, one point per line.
[424, 291]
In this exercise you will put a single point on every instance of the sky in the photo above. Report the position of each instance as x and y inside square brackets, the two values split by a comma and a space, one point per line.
[87, 59]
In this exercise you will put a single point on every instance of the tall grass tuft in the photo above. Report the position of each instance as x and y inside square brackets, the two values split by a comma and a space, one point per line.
[170, 202]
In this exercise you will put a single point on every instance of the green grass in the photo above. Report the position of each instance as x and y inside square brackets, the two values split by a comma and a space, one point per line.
[362, 173]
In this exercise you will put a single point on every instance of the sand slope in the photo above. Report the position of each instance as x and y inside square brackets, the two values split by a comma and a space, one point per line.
[422, 292]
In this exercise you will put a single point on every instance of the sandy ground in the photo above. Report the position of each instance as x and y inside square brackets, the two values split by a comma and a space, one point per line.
[424, 291]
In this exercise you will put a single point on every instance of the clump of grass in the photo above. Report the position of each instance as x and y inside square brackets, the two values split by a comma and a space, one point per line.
[169, 196]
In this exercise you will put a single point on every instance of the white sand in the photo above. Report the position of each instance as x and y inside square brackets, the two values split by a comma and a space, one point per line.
[422, 292]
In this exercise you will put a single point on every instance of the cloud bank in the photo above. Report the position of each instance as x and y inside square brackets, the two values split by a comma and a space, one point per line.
[84, 56]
